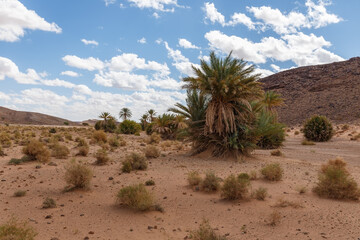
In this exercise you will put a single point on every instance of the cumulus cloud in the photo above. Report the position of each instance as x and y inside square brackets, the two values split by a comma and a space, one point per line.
[158, 5]
[90, 42]
[15, 18]
[186, 44]
[90, 64]
[70, 74]
[142, 40]
[108, 2]
[212, 14]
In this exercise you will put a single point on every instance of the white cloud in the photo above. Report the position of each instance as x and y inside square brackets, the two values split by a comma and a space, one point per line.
[212, 14]
[38, 96]
[15, 18]
[318, 15]
[108, 2]
[4, 96]
[240, 18]
[9, 69]
[186, 44]
[142, 40]
[90, 42]
[158, 5]
[89, 64]
[156, 15]
[70, 74]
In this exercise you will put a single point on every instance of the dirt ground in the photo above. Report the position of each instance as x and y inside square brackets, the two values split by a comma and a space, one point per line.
[94, 214]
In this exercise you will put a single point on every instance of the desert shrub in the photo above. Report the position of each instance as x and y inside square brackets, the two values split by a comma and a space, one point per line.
[345, 127]
[244, 176]
[15, 161]
[85, 124]
[83, 151]
[253, 175]
[194, 178]
[260, 193]
[114, 142]
[235, 188]
[19, 193]
[52, 130]
[2, 153]
[68, 136]
[149, 128]
[276, 152]
[99, 136]
[271, 133]
[301, 189]
[307, 142]
[154, 138]
[296, 133]
[49, 203]
[129, 127]
[318, 129]
[60, 151]
[355, 138]
[5, 139]
[205, 232]
[152, 152]
[37, 151]
[108, 126]
[274, 218]
[134, 161]
[150, 183]
[15, 230]
[102, 157]
[136, 197]
[81, 142]
[272, 172]
[335, 182]
[283, 203]
[211, 183]
[77, 174]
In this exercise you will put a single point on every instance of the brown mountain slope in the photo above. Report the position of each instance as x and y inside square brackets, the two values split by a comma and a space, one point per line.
[18, 117]
[332, 90]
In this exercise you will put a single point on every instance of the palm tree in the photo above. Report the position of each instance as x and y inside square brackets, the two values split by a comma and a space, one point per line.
[151, 114]
[143, 120]
[105, 116]
[230, 85]
[125, 113]
[271, 100]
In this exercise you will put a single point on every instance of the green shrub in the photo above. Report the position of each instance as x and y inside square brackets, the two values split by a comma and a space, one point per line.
[136, 197]
[134, 161]
[49, 203]
[335, 182]
[102, 157]
[205, 232]
[37, 151]
[129, 127]
[15, 230]
[271, 133]
[52, 130]
[272, 172]
[78, 175]
[149, 128]
[152, 152]
[60, 151]
[318, 129]
[126, 166]
[194, 178]
[244, 176]
[211, 183]
[235, 188]
[150, 183]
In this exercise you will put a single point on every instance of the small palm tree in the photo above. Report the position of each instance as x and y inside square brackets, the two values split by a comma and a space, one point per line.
[105, 116]
[143, 121]
[151, 114]
[272, 99]
[125, 113]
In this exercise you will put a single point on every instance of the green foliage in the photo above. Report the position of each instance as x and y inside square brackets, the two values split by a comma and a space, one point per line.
[271, 133]
[99, 136]
[15, 230]
[125, 113]
[136, 197]
[149, 128]
[52, 130]
[318, 129]
[260, 193]
[235, 188]
[129, 127]
[272, 172]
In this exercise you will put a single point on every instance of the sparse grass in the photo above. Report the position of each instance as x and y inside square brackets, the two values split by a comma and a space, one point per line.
[18, 161]
[272, 172]
[335, 182]
[16, 230]
[150, 183]
[154, 138]
[83, 151]
[260, 193]
[235, 188]
[152, 152]
[134, 161]
[276, 152]
[301, 189]
[244, 176]
[211, 183]
[37, 151]
[307, 142]
[20, 193]
[136, 197]
[114, 142]
[205, 232]
[194, 178]
[49, 203]
[78, 175]
[60, 151]
[274, 218]
[102, 157]
[283, 203]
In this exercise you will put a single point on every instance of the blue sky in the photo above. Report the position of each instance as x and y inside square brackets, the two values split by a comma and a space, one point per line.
[75, 59]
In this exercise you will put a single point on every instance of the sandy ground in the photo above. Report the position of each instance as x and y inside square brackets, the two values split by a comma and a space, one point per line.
[95, 215]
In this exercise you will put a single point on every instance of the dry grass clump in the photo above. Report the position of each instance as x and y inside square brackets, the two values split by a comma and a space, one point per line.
[274, 218]
[136, 197]
[102, 157]
[134, 161]
[283, 203]
[276, 152]
[78, 175]
[211, 183]
[49, 203]
[15, 230]
[19, 193]
[60, 151]
[355, 138]
[99, 136]
[194, 178]
[152, 152]
[205, 232]
[272, 172]
[253, 175]
[301, 189]
[114, 142]
[260, 193]
[150, 182]
[83, 151]
[37, 151]
[2, 154]
[307, 142]
[235, 188]
[5, 139]
[153, 138]
[335, 182]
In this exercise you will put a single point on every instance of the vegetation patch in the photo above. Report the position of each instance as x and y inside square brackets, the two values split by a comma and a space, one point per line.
[49, 203]
[16, 230]
[318, 129]
[37, 151]
[78, 175]
[134, 161]
[272, 172]
[60, 151]
[152, 152]
[235, 188]
[194, 178]
[205, 232]
[136, 197]
[102, 157]
[211, 183]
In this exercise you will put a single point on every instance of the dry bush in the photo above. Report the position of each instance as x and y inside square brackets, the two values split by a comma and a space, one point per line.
[19, 193]
[194, 178]
[37, 151]
[205, 232]
[5, 139]
[49, 203]
[60, 151]
[211, 183]
[335, 182]
[272, 172]
[283, 203]
[114, 142]
[166, 144]
[253, 175]
[260, 193]
[274, 218]
[99, 136]
[153, 138]
[296, 132]
[102, 157]
[83, 151]
[276, 152]
[2, 154]
[136, 197]
[152, 152]
[307, 142]
[150, 182]
[355, 138]
[235, 188]
[78, 175]
[134, 161]
[15, 230]
[244, 176]
[81, 142]
[301, 189]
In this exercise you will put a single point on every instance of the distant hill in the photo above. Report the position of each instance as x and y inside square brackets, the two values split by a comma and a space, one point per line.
[332, 90]
[32, 118]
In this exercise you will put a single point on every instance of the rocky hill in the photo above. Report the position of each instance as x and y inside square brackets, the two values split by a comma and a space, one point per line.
[332, 90]
[32, 118]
